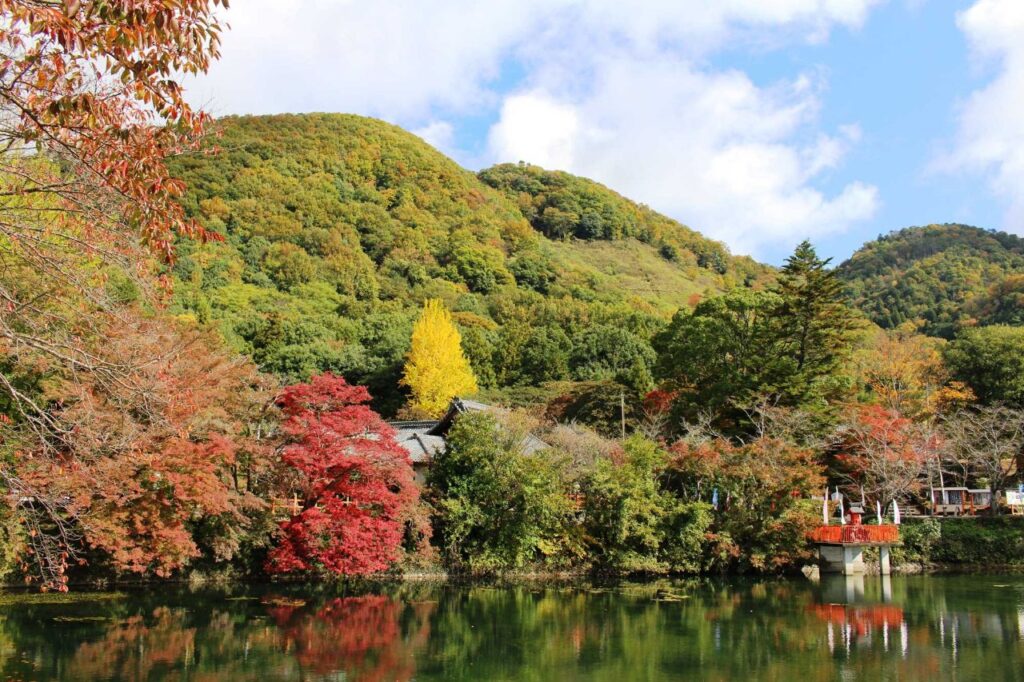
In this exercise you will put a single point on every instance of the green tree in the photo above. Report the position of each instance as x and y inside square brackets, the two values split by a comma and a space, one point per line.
[545, 356]
[723, 353]
[816, 323]
[496, 507]
[605, 352]
[478, 345]
[288, 265]
[533, 269]
[991, 361]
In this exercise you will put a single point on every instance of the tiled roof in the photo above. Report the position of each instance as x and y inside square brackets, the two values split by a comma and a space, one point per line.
[419, 425]
[423, 439]
[421, 447]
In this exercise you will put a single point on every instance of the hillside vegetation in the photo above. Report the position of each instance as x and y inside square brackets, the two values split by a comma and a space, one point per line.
[941, 277]
[337, 227]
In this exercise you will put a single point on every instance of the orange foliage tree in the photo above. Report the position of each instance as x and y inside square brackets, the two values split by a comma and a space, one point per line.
[100, 433]
[95, 84]
[764, 493]
[90, 109]
[148, 474]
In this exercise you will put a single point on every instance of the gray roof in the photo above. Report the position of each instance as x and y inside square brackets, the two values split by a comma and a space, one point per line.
[423, 439]
[423, 425]
[475, 406]
[421, 446]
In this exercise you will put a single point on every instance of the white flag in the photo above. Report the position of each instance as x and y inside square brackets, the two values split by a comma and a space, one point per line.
[895, 513]
[824, 508]
[842, 513]
[878, 509]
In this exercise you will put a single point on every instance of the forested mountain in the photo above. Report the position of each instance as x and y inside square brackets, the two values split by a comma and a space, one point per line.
[337, 227]
[942, 277]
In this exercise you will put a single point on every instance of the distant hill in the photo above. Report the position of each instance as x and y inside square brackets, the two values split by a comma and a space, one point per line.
[939, 276]
[337, 227]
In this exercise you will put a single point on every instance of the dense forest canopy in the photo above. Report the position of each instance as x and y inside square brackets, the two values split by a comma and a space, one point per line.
[939, 277]
[338, 227]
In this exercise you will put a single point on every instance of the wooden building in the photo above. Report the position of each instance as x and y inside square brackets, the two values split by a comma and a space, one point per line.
[956, 501]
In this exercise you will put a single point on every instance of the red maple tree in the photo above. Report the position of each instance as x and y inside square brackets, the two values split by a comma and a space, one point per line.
[358, 489]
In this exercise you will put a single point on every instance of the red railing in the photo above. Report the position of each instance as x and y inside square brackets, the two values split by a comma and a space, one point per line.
[843, 535]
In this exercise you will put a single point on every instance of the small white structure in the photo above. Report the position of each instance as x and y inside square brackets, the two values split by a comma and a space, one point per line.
[1015, 501]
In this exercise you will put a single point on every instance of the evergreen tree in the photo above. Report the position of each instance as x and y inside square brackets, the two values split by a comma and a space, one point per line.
[437, 370]
[816, 323]
[723, 354]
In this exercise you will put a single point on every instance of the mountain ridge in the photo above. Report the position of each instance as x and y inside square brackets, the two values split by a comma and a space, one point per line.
[935, 277]
[336, 227]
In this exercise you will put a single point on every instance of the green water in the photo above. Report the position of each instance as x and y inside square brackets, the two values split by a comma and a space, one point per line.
[909, 628]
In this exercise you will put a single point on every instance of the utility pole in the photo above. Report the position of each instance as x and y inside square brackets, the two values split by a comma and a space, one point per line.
[622, 412]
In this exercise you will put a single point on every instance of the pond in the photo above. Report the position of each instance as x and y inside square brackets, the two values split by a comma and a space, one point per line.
[905, 628]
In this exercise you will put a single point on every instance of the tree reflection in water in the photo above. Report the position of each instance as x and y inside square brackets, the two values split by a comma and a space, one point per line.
[912, 628]
[361, 636]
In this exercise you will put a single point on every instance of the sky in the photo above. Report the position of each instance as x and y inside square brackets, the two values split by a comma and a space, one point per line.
[757, 122]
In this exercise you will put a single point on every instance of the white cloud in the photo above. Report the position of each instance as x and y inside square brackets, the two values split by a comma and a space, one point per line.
[440, 134]
[618, 91]
[990, 138]
[390, 58]
[710, 148]
[533, 126]
[397, 58]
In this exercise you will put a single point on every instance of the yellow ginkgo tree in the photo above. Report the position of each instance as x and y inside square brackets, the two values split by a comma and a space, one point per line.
[436, 370]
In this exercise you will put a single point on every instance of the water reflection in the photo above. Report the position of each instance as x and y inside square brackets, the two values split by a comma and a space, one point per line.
[903, 628]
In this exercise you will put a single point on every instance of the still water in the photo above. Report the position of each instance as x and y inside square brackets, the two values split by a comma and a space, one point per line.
[906, 628]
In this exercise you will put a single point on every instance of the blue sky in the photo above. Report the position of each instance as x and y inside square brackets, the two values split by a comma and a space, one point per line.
[900, 78]
[757, 122]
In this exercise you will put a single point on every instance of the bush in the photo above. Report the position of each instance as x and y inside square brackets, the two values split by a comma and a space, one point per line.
[497, 508]
[918, 540]
[625, 510]
[978, 541]
[992, 541]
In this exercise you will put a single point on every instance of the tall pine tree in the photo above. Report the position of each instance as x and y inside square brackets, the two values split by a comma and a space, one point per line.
[816, 323]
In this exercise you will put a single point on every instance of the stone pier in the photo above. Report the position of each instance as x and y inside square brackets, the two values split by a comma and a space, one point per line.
[844, 559]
